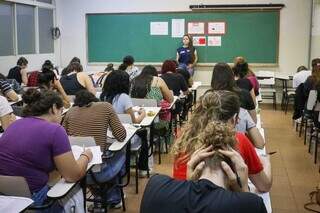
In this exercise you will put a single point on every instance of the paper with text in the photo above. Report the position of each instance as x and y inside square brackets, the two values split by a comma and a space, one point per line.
[214, 41]
[177, 28]
[158, 28]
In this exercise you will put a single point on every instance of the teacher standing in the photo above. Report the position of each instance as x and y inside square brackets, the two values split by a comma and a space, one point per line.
[187, 54]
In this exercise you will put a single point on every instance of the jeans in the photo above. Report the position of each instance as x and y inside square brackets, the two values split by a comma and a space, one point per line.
[109, 171]
[40, 197]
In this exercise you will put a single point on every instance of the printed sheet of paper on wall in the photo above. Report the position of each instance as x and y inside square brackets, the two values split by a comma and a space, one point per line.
[196, 28]
[199, 41]
[177, 28]
[214, 41]
[158, 28]
[217, 28]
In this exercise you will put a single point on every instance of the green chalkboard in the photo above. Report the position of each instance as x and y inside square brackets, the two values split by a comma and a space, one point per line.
[253, 34]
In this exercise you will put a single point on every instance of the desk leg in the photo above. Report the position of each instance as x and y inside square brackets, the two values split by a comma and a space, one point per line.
[151, 146]
[83, 184]
[194, 98]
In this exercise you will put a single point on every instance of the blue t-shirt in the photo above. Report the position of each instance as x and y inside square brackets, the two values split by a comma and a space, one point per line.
[185, 55]
[121, 103]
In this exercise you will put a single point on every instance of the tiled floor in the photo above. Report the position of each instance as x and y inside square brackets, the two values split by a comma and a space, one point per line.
[294, 173]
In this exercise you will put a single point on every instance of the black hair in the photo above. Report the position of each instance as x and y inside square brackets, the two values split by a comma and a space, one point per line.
[116, 83]
[45, 78]
[109, 68]
[84, 98]
[22, 61]
[74, 66]
[223, 78]
[39, 103]
[47, 65]
[2, 77]
[241, 69]
[75, 59]
[141, 85]
[127, 61]
[301, 68]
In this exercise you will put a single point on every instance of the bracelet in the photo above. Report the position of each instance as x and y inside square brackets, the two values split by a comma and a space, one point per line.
[86, 157]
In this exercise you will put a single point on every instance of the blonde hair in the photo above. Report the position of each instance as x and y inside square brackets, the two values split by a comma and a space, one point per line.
[214, 107]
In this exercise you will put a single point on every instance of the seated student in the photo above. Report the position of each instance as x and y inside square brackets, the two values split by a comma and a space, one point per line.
[128, 66]
[33, 76]
[19, 72]
[240, 72]
[222, 106]
[43, 148]
[89, 117]
[116, 92]
[250, 75]
[6, 113]
[246, 125]
[182, 70]
[73, 60]
[223, 79]
[313, 81]
[75, 80]
[301, 76]
[47, 81]
[7, 90]
[175, 81]
[213, 168]
[149, 85]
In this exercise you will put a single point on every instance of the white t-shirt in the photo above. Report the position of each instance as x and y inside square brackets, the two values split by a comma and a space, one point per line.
[300, 78]
[133, 72]
[245, 121]
[5, 107]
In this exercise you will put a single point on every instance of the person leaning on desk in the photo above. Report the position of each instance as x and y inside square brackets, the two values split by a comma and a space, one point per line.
[37, 144]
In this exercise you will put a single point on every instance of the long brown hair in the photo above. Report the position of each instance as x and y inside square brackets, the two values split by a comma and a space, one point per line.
[219, 105]
[191, 47]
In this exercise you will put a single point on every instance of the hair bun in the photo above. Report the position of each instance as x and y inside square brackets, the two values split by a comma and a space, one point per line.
[31, 96]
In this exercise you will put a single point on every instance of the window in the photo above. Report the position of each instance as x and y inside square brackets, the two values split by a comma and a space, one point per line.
[46, 1]
[6, 29]
[45, 27]
[25, 29]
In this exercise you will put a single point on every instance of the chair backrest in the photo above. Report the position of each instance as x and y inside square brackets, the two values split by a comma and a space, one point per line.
[312, 99]
[80, 141]
[144, 102]
[14, 186]
[266, 78]
[125, 118]
[264, 74]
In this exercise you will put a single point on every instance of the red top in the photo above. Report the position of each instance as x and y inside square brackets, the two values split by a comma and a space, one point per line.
[246, 150]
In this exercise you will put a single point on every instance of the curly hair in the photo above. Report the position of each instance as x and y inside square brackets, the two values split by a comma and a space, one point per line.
[214, 106]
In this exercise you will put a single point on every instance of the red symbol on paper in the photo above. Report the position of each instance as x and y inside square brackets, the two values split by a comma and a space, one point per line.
[202, 40]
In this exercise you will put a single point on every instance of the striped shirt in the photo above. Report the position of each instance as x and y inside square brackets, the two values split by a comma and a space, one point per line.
[5, 86]
[93, 121]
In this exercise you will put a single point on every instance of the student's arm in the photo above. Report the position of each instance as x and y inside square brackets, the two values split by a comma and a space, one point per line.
[167, 94]
[177, 57]
[117, 128]
[195, 58]
[139, 118]
[70, 169]
[65, 98]
[6, 120]
[253, 95]
[263, 180]
[256, 138]
[86, 80]
[12, 95]
[24, 76]
[253, 115]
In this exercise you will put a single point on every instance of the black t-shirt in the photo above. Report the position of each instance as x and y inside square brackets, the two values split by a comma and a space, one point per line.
[185, 74]
[246, 100]
[15, 73]
[175, 82]
[164, 194]
[244, 83]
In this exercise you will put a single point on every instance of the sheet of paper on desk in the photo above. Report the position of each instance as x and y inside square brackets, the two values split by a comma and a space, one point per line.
[96, 152]
[14, 204]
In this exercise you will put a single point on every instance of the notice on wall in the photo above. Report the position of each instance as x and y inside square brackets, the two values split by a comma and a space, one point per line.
[214, 41]
[218, 28]
[158, 28]
[199, 41]
[196, 28]
[177, 28]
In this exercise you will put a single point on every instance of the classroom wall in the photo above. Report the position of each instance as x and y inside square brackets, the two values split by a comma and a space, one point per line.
[294, 26]
[315, 45]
